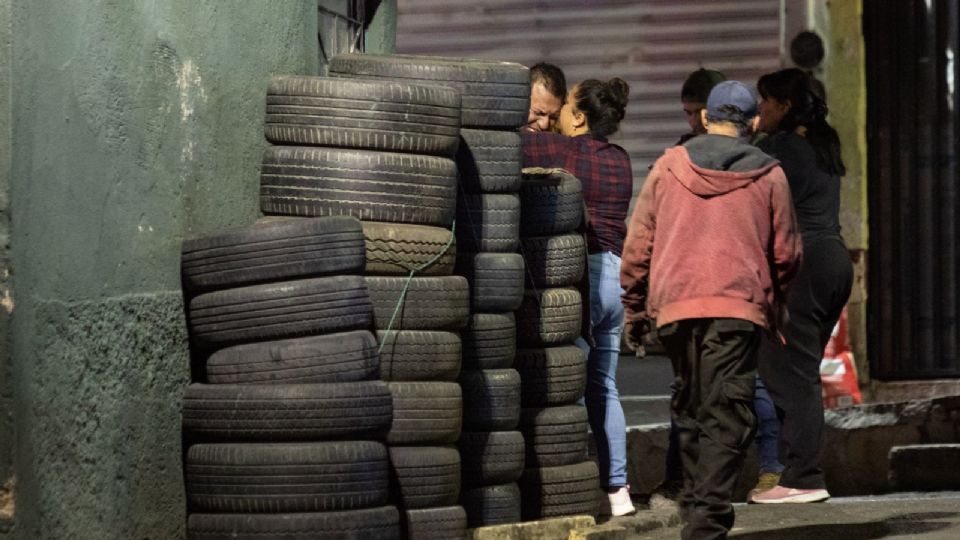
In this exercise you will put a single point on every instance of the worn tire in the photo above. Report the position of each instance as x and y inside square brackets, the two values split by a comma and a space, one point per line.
[275, 251]
[341, 357]
[280, 310]
[395, 249]
[288, 412]
[489, 161]
[549, 317]
[560, 491]
[491, 457]
[291, 477]
[426, 476]
[554, 436]
[431, 303]
[393, 116]
[491, 505]
[381, 523]
[489, 341]
[419, 355]
[496, 280]
[488, 222]
[552, 202]
[369, 185]
[425, 413]
[554, 261]
[552, 375]
[491, 399]
[494, 94]
[446, 523]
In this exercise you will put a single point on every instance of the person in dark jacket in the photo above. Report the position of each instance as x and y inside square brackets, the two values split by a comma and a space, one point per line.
[794, 115]
[711, 249]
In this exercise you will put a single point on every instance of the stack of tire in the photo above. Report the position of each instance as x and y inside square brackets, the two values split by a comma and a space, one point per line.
[286, 421]
[495, 102]
[382, 151]
[558, 479]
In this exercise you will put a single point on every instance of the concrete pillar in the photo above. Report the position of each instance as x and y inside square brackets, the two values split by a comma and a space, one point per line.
[132, 125]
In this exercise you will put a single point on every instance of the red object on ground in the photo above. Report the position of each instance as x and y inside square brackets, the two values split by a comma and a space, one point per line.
[838, 373]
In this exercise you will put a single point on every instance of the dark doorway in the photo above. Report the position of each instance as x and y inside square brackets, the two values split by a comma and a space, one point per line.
[912, 133]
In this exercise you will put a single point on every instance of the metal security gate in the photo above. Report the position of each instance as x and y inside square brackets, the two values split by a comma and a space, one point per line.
[652, 44]
[912, 131]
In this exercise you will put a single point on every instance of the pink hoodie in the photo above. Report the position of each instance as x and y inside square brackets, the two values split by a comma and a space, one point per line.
[718, 240]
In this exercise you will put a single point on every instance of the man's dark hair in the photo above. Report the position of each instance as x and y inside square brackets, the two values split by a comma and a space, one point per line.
[698, 85]
[551, 77]
[735, 116]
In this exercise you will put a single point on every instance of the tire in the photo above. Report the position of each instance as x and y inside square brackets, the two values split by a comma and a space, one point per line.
[419, 355]
[491, 399]
[552, 376]
[491, 457]
[489, 341]
[369, 185]
[554, 261]
[394, 249]
[491, 505]
[560, 491]
[549, 317]
[273, 251]
[393, 116]
[342, 357]
[425, 413]
[496, 280]
[287, 412]
[280, 310]
[494, 94]
[554, 436]
[488, 222]
[381, 523]
[447, 523]
[552, 202]
[293, 477]
[427, 477]
[489, 161]
[431, 303]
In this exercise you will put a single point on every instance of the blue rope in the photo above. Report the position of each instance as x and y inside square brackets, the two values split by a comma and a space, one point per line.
[406, 286]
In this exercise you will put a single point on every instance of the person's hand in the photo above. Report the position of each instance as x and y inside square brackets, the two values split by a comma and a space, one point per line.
[634, 334]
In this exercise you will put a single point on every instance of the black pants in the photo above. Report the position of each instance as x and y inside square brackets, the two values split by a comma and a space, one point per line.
[715, 367]
[791, 372]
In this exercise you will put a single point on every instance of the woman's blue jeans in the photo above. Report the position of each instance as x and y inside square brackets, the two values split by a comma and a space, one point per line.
[768, 431]
[601, 397]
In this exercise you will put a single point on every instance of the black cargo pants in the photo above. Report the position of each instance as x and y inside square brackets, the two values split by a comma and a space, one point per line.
[715, 367]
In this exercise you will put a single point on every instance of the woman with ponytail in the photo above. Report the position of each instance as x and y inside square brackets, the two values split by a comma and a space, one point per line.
[793, 114]
[592, 112]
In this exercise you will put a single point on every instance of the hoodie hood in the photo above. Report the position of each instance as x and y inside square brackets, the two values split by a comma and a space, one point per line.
[711, 165]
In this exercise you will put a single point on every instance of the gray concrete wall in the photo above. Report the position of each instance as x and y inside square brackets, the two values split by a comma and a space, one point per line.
[132, 125]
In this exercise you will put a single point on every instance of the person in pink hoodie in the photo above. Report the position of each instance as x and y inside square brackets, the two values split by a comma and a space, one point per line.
[711, 249]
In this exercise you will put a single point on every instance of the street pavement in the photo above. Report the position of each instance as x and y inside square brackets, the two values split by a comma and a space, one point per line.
[927, 516]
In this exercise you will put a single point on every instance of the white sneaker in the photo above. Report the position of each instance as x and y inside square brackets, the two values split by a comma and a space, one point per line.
[620, 503]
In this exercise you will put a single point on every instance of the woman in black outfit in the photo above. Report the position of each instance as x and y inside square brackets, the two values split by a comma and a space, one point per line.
[794, 116]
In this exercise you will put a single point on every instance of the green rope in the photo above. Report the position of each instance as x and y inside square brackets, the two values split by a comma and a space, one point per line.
[406, 286]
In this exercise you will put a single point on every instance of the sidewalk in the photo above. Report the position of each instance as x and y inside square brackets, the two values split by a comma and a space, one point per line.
[927, 516]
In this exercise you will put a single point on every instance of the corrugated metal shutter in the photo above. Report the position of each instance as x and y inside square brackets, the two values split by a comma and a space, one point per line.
[652, 44]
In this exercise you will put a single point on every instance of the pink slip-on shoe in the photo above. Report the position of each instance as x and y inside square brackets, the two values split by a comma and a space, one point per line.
[783, 495]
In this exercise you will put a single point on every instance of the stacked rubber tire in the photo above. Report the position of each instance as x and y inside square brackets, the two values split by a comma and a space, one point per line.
[495, 101]
[286, 420]
[558, 479]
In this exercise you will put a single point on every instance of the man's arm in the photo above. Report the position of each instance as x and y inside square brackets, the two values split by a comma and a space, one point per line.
[787, 242]
[638, 249]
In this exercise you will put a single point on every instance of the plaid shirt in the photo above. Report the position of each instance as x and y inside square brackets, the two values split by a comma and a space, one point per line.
[603, 169]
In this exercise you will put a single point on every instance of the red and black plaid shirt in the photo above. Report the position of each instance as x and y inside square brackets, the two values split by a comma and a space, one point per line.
[603, 169]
